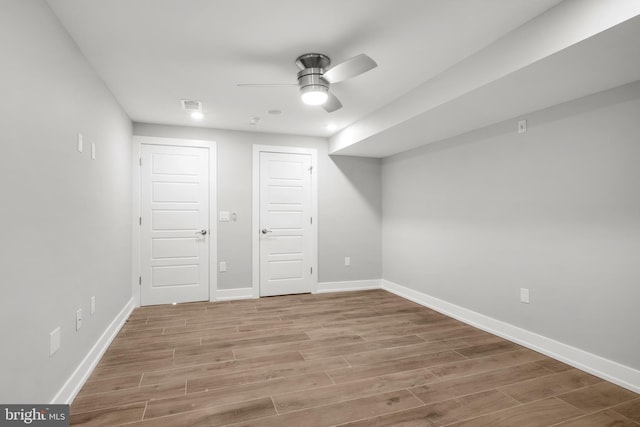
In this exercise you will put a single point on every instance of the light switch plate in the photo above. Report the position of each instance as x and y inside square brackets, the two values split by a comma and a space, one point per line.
[54, 341]
[78, 319]
[524, 295]
[80, 143]
[93, 305]
[223, 266]
[225, 216]
[522, 126]
[93, 151]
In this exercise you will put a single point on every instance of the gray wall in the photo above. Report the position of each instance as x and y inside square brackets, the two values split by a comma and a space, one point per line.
[348, 204]
[556, 210]
[66, 227]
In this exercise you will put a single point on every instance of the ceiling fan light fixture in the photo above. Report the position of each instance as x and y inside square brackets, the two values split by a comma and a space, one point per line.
[314, 94]
[316, 76]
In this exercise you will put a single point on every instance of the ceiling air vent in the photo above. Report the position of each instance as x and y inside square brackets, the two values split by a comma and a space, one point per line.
[190, 106]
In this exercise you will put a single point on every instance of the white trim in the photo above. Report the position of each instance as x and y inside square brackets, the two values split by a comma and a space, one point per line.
[234, 294]
[213, 220]
[255, 240]
[74, 383]
[175, 142]
[609, 370]
[352, 285]
[136, 211]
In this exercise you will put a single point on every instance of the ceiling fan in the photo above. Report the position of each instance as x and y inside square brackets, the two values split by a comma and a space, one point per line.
[315, 77]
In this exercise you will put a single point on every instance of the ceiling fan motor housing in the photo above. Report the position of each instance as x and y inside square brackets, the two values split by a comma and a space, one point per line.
[312, 67]
[310, 79]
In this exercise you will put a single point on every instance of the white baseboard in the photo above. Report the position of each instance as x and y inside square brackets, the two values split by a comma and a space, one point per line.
[353, 285]
[324, 287]
[609, 370]
[75, 382]
[233, 294]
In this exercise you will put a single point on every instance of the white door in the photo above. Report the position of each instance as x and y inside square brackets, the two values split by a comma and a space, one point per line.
[285, 224]
[174, 234]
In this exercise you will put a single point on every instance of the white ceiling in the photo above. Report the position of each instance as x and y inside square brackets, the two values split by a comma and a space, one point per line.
[152, 53]
[574, 50]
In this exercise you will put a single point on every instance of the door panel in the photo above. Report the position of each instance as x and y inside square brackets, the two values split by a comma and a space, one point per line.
[285, 216]
[175, 192]
[174, 255]
[174, 248]
[173, 220]
[175, 164]
[175, 275]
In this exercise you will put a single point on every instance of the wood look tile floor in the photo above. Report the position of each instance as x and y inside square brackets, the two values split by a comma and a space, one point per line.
[366, 358]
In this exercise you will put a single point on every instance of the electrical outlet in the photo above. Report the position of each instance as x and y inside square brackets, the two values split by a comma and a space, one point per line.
[524, 295]
[223, 266]
[347, 261]
[522, 126]
[78, 319]
[93, 305]
[54, 341]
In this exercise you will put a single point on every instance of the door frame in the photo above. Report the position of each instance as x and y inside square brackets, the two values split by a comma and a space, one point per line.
[255, 228]
[136, 197]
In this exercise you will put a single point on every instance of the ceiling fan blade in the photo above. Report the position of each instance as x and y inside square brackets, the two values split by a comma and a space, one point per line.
[266, 84]
[332, 104]
[350, 68]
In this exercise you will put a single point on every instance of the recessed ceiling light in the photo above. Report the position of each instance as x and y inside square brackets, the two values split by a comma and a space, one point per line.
[274, 112]
[197, 115]
[331, 126]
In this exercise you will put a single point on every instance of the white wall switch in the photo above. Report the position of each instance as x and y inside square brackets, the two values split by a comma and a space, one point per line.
[54, 341]
[93, 305]
[347, 261]
[522, 126]
[93, 150]
[524, 295]
[78, 319]
[80, 143]
[225, 216]
[223, 266]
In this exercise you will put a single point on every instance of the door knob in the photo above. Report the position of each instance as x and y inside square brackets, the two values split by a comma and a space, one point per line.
[201, 232]
[265, 231]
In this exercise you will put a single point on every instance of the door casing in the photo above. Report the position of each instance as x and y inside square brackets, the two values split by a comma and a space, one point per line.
[136, 208]
[255, 229]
